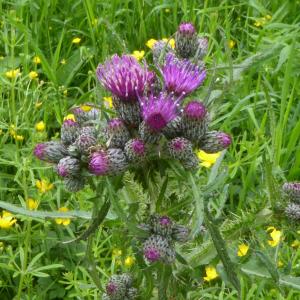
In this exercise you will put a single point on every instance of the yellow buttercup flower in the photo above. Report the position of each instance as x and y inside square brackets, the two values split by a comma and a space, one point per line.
[7, 220]
[262, 21]
[12, 73]
[231, 44]
[117, 252]
[33, 75]
[211, 273]
[69, 117]
[63, 61]
[280, 264]
[76, 40]
[44, 185]
[138, 54]
[208, 159]
[19, 137]
[40, 126]
[150, 43]
[243, 250]
[63, 221]
[86, 107]
[171, 42]
[129, 261]
[295, 244]
[108, 101]
[275, 235]
[32, 204]
[36, 60]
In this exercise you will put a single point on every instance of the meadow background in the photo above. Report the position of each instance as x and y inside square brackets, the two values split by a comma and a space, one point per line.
[48, 55]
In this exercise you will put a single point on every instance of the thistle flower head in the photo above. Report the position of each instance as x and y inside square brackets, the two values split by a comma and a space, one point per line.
[50, 151]
[195, 110]
[68, 166]
[158, 111]
[181, 76]
[69, 131]
[124, 77]
[215, 141]
[152, 254]
[187, 29]
[165, 221]
[180, 148]
[117, 133]
[292, 190]
[99, 163]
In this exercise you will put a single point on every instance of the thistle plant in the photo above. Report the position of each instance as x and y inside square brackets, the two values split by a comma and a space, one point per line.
[158, 119]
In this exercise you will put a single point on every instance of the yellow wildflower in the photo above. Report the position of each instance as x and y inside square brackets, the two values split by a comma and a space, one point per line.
[33, 75]
[36, 60]
[12, 130]
[268, 17]
[208, 159]
[138, 54]
[63, 61]
[295, 244]
[129, 261]
[7, 220]
[108, 101]
[44, 185]
[171, 42]
[69, 117]
[32, 204]
[275, 235]
[262, 21]
[63, 221]
[231, 44]
[243, 250]
[86, 107]
[12, 73]
[280, 264]
[211, 273]
[40, 126]
[150, 43]
[76, 40]
[117, 252]
[19, 138]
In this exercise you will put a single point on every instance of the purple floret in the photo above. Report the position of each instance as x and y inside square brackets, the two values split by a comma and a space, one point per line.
[158, 111]
[181, 76]
[124, 77]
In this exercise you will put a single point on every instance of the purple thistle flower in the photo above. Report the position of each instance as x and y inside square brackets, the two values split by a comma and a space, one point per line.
[124, 77]
[181, 76]
[215, 141]
[158, 111]
[99, 163]
[50, 151]
[292, 190]
[108, 162]
[152, 254]
[111, 288]
[116, 133]
[135, 150]
[186, 29]
[165, 221]
[68, 166]
[195, 110]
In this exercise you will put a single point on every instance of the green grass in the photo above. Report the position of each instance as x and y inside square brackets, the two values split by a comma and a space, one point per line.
[254, 96]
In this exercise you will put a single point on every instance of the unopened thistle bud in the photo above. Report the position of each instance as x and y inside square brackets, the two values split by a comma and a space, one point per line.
[202, 46]
[135, 150]
[159, 51]
[155, 248]
[186, 40]
[293, 211]
[108, 162]
[173, 128]
[74, 184]
[214, 141]
[51, 152]
[68, 166]
[69, 131]
[191, 163]
[180, 233]
[86, 113]
[292, 190]
[194, 120]
[180, 148]
[116, 133]
[161, 225]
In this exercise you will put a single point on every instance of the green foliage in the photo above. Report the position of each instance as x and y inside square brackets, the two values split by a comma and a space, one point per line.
[253, 93]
